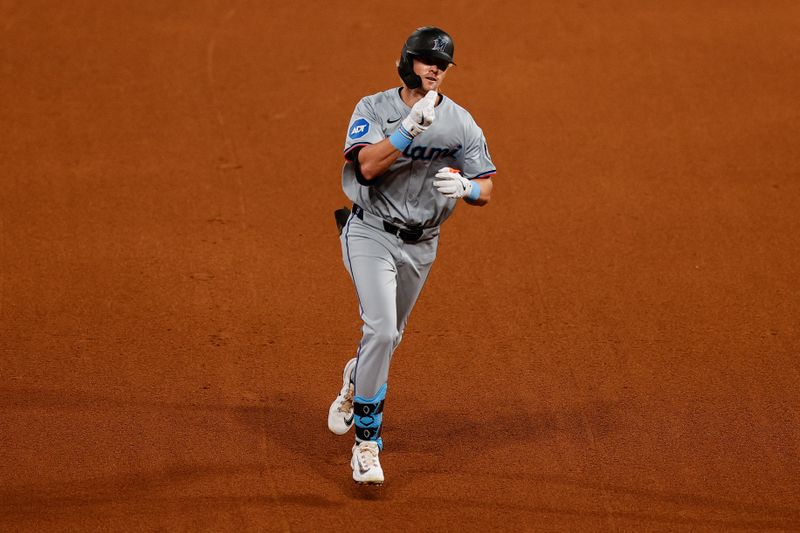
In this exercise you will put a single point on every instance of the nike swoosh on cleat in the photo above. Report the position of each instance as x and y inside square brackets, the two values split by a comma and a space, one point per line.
[393, 121]
[349, 421]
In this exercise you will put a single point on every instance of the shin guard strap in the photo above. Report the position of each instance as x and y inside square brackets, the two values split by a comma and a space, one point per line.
[368, 414]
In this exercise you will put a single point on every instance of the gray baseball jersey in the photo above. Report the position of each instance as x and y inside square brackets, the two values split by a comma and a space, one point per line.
[405, 194]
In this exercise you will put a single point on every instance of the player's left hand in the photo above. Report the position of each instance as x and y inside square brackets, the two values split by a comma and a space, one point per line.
[452, 184]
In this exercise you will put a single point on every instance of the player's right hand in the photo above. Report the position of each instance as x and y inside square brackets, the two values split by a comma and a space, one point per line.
[422, 114]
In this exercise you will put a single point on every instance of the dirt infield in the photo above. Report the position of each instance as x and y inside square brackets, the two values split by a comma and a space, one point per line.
[174, 313]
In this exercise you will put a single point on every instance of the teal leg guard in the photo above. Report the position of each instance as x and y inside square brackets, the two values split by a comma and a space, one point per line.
[368, 413]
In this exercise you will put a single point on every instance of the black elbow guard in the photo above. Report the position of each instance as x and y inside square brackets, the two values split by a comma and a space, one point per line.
[353, 156]
[359, 176]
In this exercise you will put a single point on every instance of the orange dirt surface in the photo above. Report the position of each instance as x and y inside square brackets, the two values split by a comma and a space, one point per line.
[611, 345]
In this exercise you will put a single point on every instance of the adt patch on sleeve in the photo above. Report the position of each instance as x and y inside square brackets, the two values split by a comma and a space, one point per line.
[359, 128]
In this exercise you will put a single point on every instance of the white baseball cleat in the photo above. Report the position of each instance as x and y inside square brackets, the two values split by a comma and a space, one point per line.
[366, 465]
[340, 413]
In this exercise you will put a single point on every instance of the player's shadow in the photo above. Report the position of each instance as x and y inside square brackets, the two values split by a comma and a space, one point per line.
[298, 427]
[482, 427]
[440, 438]
[464, 432]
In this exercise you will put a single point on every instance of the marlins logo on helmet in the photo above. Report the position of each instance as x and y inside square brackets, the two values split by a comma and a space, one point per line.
[440, 44]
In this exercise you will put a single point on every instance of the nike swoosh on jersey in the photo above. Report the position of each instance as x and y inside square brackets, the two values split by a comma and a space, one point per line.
[393, 121]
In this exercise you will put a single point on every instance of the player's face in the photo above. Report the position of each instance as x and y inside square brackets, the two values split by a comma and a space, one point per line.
[432, 73]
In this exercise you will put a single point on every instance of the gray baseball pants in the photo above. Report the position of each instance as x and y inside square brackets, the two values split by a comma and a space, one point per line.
[388, 275]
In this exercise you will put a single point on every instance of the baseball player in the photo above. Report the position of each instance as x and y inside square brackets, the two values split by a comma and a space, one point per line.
[411, 155]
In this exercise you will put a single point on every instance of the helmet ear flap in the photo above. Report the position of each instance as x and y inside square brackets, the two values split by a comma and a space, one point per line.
[406, 70]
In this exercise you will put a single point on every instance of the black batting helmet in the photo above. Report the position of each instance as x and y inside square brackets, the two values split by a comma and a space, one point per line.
[429, 43]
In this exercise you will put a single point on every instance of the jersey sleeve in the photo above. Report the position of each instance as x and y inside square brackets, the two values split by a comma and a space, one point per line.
[365, 128]
[477, 161]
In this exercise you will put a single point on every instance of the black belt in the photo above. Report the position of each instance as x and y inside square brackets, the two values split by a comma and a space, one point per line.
[407, 234]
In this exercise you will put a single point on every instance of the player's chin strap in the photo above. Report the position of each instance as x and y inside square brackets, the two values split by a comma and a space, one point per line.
[368, 414]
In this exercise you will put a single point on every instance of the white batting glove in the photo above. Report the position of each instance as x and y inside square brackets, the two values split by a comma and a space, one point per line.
[422, 115]
[452, 184]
